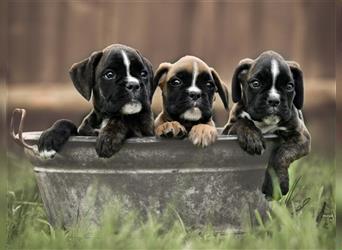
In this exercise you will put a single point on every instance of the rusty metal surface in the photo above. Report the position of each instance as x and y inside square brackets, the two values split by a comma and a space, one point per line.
[212, 185]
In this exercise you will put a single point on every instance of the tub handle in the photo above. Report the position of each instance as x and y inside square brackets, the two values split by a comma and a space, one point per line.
[18, 137]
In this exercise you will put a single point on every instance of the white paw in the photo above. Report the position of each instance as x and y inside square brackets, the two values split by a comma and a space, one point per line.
[203, 135]
[47, 154]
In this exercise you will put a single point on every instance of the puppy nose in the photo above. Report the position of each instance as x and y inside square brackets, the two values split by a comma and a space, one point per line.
[132, 86]
[194, 95]
[273, 102]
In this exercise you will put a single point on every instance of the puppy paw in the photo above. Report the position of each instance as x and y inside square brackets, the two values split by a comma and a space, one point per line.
[52, 140]
[251, 141]
[203, 135]
[171, 130]
[107, 145]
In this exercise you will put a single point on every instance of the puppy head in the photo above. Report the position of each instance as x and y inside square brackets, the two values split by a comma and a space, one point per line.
[268, 86]
[188, 88]
[119, 78]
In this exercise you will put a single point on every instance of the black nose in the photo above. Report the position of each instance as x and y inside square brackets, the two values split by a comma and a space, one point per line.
[132, 86]
[273, 102]
[194, 95]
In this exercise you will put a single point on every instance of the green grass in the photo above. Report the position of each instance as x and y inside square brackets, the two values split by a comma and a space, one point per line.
[305, 219]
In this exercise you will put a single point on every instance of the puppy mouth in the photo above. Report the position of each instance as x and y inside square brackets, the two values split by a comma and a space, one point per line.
[194, 103]
[272, 110]
[131, 108]
[192, 114]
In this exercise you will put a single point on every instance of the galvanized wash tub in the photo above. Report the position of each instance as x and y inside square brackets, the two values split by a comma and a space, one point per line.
[205, 186]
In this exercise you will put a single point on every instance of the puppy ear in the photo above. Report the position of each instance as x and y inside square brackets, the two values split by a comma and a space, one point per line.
[160, 73]
[221, 88]
[240, 71]
[149, 68]
[297, 75]
[82, 74]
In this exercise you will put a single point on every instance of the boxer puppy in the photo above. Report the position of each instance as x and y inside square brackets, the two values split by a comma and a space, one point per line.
[120, 81]
[188, 87]
[269, 94]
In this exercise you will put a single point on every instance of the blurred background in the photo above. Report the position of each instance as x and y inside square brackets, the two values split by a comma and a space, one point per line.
[46, 37]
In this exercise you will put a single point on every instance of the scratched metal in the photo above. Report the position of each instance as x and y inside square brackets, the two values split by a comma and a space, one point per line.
[213, 185]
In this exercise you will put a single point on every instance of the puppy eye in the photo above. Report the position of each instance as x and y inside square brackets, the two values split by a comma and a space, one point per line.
[255, 84]
[176, 82]
[109, 75]
[143, 73]
[210, 85]
[290, 86]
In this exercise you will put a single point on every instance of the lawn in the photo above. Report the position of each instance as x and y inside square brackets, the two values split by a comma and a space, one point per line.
[304, 219]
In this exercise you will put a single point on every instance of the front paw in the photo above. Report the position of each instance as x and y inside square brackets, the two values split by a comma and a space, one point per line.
[251, 141]
[52, 140]
[171, 130]
[203, 135]
[107, 145]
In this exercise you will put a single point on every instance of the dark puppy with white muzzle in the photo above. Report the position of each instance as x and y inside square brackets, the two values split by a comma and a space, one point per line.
[269, 96]
[120, 81]
[188, 87]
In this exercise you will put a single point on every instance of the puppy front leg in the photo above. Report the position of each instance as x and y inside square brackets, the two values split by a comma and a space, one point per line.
[249, 136]
[168, 129]
[293, 148]
[111, 138]
[147, 128]
[203, 134]
[89, 124]
[53, 139]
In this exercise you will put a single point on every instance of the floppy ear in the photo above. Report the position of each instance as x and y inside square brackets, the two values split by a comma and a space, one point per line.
[160, 73]
[221, 88]
[149, 68]
[82, 74]
[242, 69]
[297, 75]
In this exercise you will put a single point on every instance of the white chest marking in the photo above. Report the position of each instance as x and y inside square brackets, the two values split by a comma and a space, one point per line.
[193, 87]
[104, 123]
[127, 63]
[245, 115]
[268, 125]
[273, 93]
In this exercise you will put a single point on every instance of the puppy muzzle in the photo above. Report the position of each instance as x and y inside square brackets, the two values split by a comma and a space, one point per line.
[272, 110]
[192, 114]
[133, 87]
[131, 108]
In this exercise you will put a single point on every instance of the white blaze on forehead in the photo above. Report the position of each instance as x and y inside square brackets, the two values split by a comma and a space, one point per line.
[273, 93]
[193, 87]
[127, 63]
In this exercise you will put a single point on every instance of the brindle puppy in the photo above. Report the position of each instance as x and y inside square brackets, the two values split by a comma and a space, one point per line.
[120, 81]
[269, 94]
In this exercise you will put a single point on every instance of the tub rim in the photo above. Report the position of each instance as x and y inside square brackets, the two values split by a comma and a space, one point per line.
[34, 136]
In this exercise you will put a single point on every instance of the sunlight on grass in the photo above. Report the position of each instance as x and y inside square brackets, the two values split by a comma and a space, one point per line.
[304, 219]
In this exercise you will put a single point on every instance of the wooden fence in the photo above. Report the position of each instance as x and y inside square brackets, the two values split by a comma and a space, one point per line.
[46, 37]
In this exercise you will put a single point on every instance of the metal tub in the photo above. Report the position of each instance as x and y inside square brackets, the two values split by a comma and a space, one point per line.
[204, 186]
